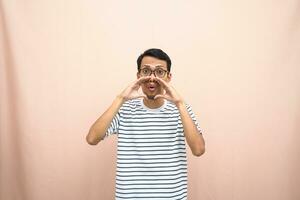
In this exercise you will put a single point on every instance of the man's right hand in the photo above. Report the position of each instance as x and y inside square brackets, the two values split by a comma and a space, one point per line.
[132, 91]
[101, 125]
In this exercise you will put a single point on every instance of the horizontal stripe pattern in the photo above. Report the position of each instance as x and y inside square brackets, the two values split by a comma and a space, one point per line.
[151, 160]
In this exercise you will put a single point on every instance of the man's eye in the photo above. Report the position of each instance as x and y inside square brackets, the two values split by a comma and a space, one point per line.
[159, 71]
[145, 71]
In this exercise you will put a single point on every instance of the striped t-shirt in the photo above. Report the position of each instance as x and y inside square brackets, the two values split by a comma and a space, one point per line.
[151, 158]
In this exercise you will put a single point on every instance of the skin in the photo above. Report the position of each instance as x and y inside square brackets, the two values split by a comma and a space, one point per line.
[155, 90]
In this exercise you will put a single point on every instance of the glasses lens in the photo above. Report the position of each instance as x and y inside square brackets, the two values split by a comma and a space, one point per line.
[160, 73]
[157, 72]
[145, 72]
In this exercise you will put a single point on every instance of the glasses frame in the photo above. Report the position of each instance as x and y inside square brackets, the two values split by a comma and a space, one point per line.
[154, 72]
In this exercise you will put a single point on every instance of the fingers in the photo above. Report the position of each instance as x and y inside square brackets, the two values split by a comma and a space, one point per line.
[161, 82]
[161, 96]
[142, 79]
[140, 96]
[136, 97]
[137, 83]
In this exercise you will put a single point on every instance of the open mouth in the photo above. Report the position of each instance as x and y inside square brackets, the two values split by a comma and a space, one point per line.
[152, 88]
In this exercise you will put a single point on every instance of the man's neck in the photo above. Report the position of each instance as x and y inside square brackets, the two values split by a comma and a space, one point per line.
[153, 103]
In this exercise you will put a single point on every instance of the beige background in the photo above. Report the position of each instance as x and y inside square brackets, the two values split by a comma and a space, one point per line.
[63, 62]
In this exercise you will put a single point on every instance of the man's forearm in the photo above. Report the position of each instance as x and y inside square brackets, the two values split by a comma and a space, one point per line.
[100, 126]
[191, 133]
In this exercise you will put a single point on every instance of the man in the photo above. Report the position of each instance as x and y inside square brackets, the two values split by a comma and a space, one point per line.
[152, 128]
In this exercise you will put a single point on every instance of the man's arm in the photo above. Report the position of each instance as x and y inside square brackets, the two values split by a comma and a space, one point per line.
[191, 133]
[100, 126]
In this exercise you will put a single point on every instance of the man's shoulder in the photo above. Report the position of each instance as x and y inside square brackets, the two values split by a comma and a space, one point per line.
[170, 105]
[131, 104]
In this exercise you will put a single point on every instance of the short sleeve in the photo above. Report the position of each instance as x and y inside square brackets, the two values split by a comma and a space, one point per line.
[189, 109]
[114, 125]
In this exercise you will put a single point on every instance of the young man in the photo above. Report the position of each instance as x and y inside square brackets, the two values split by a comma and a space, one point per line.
[152, 128]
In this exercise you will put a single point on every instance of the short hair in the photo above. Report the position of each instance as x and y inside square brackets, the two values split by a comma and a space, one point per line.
[156, 53]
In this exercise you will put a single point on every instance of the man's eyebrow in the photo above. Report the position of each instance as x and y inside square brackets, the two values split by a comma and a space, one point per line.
[145, 65]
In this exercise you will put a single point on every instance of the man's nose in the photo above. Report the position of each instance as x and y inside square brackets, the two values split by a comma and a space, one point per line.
[152, 76]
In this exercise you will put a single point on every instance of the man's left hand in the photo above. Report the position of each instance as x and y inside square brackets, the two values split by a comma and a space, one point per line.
[170, 93]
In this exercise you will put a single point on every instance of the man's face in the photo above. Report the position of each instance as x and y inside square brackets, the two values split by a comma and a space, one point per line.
[152, 88]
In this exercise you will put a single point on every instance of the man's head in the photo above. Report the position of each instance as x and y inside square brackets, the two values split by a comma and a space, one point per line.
[155, 53]
[153, 63]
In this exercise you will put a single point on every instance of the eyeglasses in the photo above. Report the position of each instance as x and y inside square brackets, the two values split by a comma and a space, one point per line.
[158, 72]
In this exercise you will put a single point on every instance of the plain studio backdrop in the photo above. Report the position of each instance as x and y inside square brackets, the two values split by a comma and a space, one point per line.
[236, 62]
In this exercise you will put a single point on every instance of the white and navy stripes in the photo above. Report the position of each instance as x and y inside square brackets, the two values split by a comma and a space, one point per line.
[151, 160]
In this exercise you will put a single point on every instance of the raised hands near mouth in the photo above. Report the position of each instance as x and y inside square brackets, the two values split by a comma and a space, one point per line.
[170, 93]
[132, 91]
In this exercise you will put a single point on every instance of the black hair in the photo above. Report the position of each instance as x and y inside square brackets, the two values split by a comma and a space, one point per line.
[156, 53]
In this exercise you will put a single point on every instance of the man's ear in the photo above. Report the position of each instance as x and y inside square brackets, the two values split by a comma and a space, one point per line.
[169, 77]
[138, 75]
